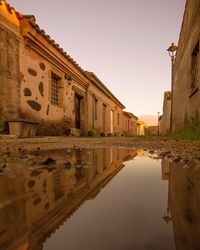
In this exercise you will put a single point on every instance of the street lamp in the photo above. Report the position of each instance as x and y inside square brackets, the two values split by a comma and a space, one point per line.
[172, 53]
[158, 122]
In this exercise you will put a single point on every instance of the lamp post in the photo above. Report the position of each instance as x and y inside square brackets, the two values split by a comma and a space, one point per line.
[158, 121]
[172, 53]
[167, 215]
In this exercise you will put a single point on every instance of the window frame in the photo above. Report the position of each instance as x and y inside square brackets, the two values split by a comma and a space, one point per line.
[195, 69]
[54, 96]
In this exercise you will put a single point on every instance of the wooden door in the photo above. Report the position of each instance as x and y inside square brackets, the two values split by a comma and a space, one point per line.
[78, 111]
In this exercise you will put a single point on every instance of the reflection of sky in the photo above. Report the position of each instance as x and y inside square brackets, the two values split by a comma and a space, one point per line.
[127, 214]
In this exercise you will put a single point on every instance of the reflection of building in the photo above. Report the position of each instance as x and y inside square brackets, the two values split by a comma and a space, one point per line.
[13, 228]
[46, 191]
[165, 169]
[183, 204]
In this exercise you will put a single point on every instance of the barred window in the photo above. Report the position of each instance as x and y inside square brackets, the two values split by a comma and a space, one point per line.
[57, 185]
[54, 89]
[195, 65]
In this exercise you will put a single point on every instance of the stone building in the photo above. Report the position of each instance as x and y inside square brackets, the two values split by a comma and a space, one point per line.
[186, 70]
[42, 86]
[105, 111]
[164, 122]
[152, 130]
[129, 124]
[39, 80]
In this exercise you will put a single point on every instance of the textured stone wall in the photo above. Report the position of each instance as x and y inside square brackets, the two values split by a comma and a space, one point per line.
[103, 100]
[183, 203]
[9, 76]
[36, 71]
[186, 99]
[165, 120]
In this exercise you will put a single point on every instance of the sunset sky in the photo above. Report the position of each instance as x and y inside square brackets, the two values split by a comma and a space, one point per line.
[123, 42]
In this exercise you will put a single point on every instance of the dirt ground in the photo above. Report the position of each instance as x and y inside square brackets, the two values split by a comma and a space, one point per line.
[175, 150]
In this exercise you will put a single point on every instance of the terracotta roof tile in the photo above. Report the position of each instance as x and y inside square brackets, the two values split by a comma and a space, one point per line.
[56, 45]
[32, 22]
[10, 9]
[130, 115]
[91, 75]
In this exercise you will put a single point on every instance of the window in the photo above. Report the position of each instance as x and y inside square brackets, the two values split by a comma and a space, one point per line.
[118, 119]
[95, 108]
[126, 124]
[57, 185]
[54, 89]
[195, 64]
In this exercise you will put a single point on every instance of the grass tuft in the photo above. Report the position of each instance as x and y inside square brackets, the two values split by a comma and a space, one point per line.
[190, 133]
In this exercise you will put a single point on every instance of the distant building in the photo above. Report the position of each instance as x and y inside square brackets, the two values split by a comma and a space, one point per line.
[152, 130]
[141, 126]
[129, 124]
[186, 73]
[164, 122]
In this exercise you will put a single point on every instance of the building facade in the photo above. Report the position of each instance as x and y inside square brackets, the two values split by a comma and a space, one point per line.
[105, 111]
[152, 130]
[129, 124]
[141, 127]
[41, 84]
[164, 122]
[186, 70]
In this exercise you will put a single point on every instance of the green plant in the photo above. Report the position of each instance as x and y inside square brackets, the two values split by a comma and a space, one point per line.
[190, 133]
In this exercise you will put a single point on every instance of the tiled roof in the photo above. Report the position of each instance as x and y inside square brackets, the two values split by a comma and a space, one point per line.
[131, 115]
[10, 9]
[91, 75]
[48, 38]
[140, 122]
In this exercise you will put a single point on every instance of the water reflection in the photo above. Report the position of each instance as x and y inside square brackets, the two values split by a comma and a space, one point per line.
[183, 202]
[38, 192]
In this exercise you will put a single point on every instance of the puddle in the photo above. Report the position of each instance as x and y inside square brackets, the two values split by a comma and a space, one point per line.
[98, 199]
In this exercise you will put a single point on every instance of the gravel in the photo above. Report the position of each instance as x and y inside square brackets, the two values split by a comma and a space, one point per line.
[176, 150]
